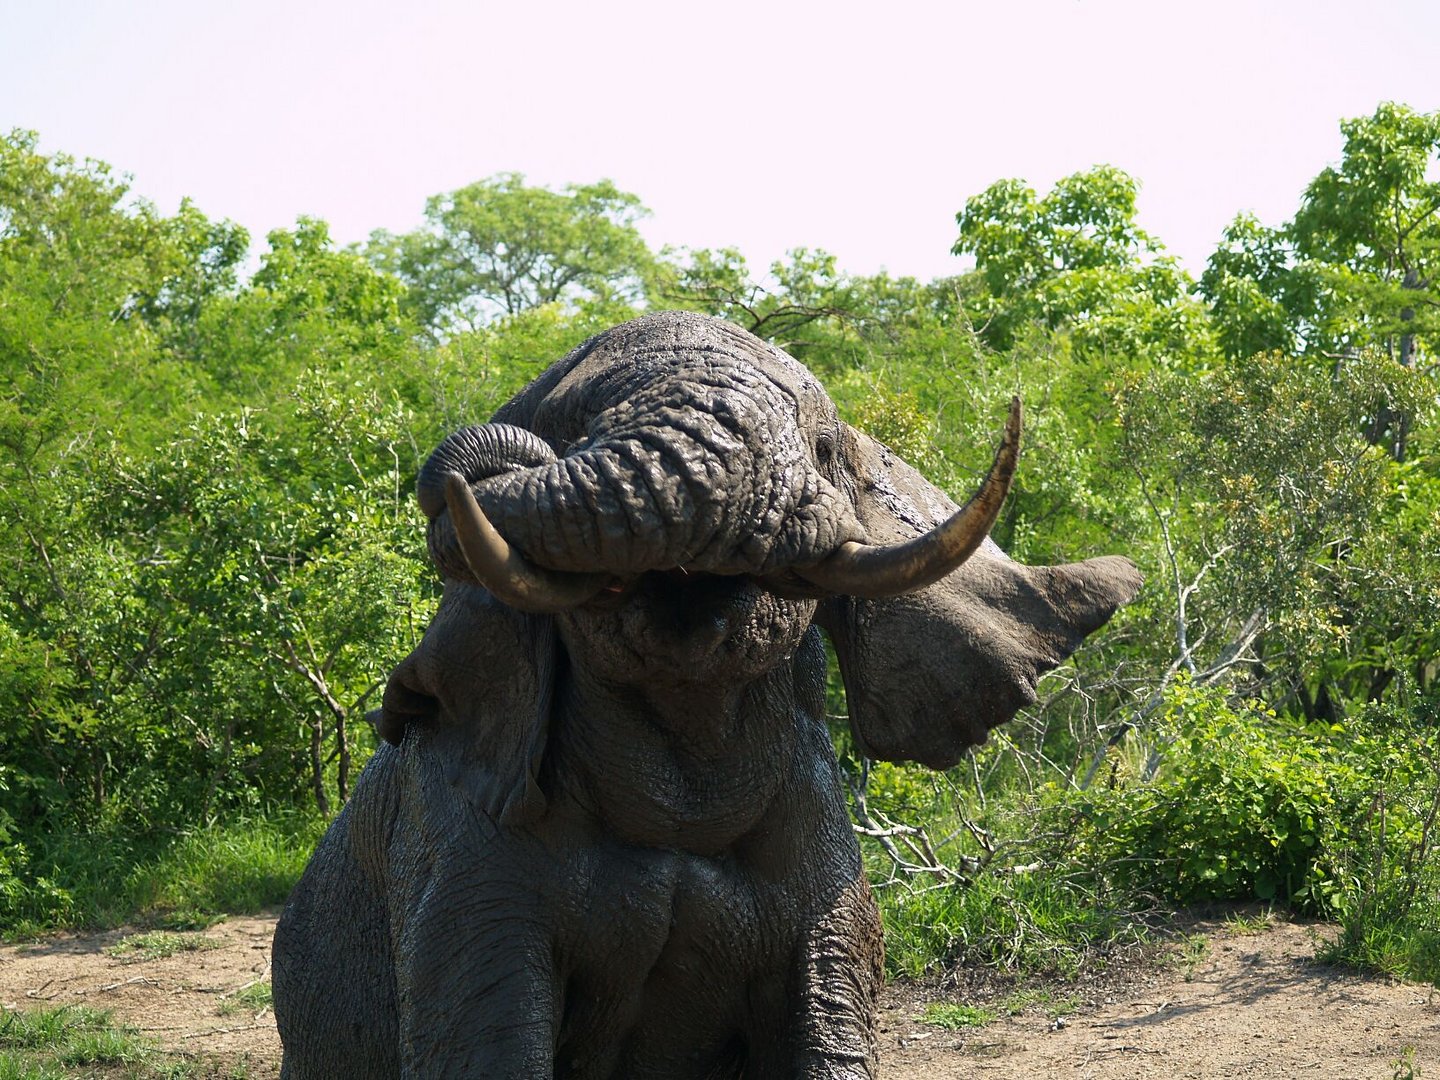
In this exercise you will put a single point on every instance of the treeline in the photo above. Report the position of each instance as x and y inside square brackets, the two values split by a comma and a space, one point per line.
[211, 557]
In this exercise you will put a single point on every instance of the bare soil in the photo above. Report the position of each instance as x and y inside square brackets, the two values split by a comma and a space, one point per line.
[1229, 1004]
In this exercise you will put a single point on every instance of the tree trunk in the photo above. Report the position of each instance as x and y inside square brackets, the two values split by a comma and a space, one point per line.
[342, 746]
[317, 763]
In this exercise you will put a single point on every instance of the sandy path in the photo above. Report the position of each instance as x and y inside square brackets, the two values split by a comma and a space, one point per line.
[1253, 1006]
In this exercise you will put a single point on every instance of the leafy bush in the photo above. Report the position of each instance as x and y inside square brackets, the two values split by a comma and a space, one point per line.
[1228, 802]
[1246, 805]
[1389, 909]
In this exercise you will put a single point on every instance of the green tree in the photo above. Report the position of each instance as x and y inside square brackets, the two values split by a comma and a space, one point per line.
[500, 246]
[307, 281]
[1374, 224]
[1259, 301]
[1077, 259]
[1356, 267]
[1373, 227]
[91, 249]
[95, 284]
[203, 625]
[307, 307]
[1286, 543]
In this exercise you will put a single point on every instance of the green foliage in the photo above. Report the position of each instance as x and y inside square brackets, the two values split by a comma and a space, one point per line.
[1404, 1065]
[1246, 806]
[1077, 259]
[1356, 266]
[308, 308]
[951, 1016]
[1264, 468]
[1258, 299]
[1049, 920]
[230, 588]
[900, 422]
[501, 247]
[1372, 222]
[1228, 802]
[804, 301]
[1390, 913]
[181, 882]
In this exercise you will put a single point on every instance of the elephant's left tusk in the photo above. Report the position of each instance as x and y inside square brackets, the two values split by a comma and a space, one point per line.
[875, 572]
[496, 565]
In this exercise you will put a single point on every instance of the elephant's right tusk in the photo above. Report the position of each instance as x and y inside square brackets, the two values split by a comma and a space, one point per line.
[511, 577]
[875, 572]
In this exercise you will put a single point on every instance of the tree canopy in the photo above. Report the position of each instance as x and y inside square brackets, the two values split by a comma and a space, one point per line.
[1357, 264]
[210, 556]
[1076, 258]
[500, 247]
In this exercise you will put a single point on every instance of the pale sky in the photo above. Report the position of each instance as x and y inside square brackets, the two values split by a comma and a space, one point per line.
[857, 128]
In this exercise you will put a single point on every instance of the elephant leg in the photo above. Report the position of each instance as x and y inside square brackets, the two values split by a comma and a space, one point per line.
[840, 971]
[333, 983]
[476, 987]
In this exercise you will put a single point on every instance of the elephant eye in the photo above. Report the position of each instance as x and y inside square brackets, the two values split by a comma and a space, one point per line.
[824, 450]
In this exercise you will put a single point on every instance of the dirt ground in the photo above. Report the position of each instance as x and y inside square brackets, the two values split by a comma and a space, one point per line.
[1232, 1004]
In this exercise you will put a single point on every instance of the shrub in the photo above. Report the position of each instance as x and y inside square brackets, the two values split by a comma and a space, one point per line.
[1243, 804]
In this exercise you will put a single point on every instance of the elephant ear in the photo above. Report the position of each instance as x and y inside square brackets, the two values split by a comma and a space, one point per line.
[928, 674]
[476, 695]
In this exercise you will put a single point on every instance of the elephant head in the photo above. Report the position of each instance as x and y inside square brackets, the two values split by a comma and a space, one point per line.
[685, 498]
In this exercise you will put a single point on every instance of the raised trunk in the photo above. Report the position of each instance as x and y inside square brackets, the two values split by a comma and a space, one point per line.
[690, 472]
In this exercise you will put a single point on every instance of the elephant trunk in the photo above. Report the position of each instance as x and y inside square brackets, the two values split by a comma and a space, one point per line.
[699, 471]
[477, 453]
[464, 545]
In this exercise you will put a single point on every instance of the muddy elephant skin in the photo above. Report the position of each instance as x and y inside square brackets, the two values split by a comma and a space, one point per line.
[604, 836]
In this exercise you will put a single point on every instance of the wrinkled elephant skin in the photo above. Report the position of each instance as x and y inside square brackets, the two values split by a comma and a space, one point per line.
[605, 836]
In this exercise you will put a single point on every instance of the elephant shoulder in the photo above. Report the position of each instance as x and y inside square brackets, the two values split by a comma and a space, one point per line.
[470, 707]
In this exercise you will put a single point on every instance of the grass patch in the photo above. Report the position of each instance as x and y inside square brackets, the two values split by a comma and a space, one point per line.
[14, 1066]
[253, 998]
[74, 1041]
[1402, 949]
[156, 945]
[953, 1017]
[1192, 949]
[229, 869]
[184, 882]
[1036, 923]
[1238, 922]
[46, 1029]
[108, 1046]
[37, 1044]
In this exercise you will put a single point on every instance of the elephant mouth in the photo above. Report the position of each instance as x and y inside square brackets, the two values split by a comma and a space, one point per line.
[675, 627]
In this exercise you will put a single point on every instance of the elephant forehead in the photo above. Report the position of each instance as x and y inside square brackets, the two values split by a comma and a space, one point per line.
[676, 353]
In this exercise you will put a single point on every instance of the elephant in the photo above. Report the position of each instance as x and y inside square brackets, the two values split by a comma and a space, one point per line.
[604, 834]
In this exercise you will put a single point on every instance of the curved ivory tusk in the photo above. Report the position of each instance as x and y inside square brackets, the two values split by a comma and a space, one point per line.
[511, 577]
[873, 573]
